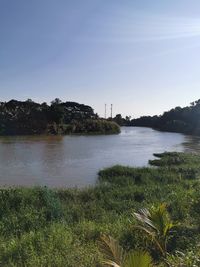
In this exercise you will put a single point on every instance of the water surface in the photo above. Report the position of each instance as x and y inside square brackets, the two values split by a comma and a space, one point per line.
[67, 161]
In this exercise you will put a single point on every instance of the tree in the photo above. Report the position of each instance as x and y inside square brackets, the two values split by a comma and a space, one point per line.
[29, 100]
[118, 119]
[56, 101]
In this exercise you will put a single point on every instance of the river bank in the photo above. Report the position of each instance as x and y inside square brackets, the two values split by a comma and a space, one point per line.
[44, 227]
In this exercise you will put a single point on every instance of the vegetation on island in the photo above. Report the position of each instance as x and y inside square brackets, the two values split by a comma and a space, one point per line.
[28, 117]
[138, 216]
[183, 120]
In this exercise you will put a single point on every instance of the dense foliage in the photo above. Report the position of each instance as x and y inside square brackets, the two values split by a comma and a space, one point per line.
[122, 121]
[44, 227]
[183, 120]
[28, 117]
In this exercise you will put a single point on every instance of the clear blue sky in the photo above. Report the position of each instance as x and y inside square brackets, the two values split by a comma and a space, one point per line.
[143, 56]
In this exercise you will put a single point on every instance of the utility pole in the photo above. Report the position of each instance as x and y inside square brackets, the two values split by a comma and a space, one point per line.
[111, 110]
[105, 111]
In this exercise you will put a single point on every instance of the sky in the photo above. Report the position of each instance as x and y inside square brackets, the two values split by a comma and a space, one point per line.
[142, 56]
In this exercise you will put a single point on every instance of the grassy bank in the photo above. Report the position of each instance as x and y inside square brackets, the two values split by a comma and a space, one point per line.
[43, 227]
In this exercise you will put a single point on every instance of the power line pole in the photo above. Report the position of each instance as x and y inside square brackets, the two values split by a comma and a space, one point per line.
[111, 110]
[105, 111]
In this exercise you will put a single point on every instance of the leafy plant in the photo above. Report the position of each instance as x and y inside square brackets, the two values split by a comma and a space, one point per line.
[157, 224]
[115, 256]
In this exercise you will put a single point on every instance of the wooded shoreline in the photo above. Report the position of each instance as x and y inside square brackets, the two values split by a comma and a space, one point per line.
[59, 118]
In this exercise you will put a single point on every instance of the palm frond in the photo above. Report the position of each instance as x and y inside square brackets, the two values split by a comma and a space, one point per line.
[110, 263]
[157, 224]
[144, 217]
[112, 251]
[138, 259]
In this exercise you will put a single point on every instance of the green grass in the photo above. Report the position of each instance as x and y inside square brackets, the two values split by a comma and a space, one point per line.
[44, 227]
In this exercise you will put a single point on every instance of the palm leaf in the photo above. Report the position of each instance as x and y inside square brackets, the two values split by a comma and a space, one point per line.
[110, 263]
[138, 259]
[157, 224]
[114, 256]
[144, 217]
[112, 251]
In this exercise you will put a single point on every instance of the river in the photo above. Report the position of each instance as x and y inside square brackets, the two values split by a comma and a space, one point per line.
[74, 161]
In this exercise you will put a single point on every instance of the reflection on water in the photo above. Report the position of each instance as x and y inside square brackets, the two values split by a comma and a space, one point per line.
[65, 161]
[191, 144]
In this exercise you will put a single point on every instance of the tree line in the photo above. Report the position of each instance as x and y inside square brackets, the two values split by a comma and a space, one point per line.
[184, 120]
[29, 117]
